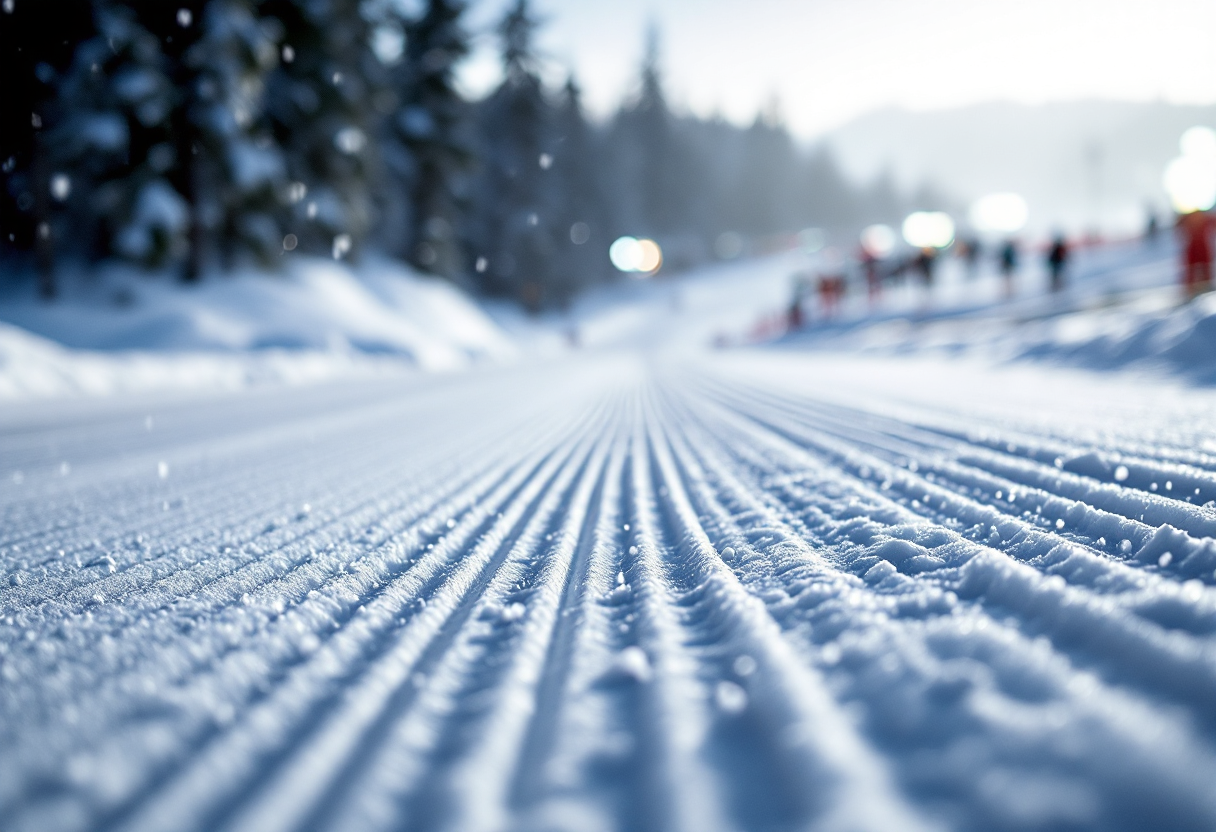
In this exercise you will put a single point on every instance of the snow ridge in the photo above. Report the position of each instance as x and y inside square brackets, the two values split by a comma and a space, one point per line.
[601, 594]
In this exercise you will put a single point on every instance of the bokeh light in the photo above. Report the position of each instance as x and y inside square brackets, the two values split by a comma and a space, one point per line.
[928, 229]
[1003, 213]
[1190, 179]
[625, 253]
[878, 240]
[652, 256]
[812, 239]
[639, 256]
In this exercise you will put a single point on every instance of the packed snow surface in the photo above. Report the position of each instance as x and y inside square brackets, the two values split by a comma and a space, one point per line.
[742, 591]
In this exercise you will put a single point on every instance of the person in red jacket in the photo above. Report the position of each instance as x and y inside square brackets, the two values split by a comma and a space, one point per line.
[1195, 229]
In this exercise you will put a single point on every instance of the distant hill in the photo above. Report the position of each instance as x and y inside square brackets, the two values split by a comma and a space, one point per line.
[1078, 164]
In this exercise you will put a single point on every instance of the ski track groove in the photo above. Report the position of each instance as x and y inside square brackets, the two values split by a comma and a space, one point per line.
[609, 594]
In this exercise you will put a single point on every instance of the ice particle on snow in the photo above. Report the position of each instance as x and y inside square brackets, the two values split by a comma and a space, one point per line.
[728, 552]
[1060, 523]
[513, 612]
[633, 662]
[1125, 546]
[290, 242]
[350, 140]
[342, 245]
[730, 697]
[626, 527]
[1121, 473]
[620, 578]
[1165, 559]
[745, 665]
[162, 469]
[451, 524]
[61, 187]
[633, 550]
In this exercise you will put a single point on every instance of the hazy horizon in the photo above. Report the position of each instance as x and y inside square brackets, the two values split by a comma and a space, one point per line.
[830, 62]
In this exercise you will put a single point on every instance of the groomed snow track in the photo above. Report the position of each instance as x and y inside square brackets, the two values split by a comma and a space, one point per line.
[601, 595]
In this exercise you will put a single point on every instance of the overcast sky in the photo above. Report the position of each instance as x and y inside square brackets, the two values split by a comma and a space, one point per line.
[827, 61]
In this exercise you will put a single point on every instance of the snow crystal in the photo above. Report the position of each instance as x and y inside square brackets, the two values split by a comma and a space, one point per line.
[61, 187]
[744, 665]
[730, 697]
[350, 140]
[633, 662]
[342, 245]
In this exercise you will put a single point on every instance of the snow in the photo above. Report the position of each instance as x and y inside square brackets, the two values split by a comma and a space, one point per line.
[638, 584]
[119, 332]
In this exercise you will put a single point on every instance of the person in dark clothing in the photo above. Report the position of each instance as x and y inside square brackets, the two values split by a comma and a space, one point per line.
[925, 262]
[1009, 265]
[1057, 259]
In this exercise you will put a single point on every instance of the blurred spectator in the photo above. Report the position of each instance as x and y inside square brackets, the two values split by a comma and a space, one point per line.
[873, 274]
[925, 263]
[831, 293]
[1195, 229]
[1009, 265]
[969, 250]
[1057, 260]
[1150, 227]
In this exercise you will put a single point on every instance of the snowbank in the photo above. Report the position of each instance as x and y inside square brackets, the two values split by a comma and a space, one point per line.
[33, 367]
[1149, 332]
[120, 331]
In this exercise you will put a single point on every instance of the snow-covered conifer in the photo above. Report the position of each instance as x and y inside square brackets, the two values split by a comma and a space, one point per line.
[516, 194]
[432, 125]
[320, 106]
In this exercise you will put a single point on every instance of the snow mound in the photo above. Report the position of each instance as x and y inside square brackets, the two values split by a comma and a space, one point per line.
[315, 305]
[1149, 332]
[32, 367]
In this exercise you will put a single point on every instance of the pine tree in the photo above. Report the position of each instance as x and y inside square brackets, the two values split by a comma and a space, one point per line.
[432, 125]
[319, 105]
[762, 198]
[655, 169]
[229, 167]
[111, 148]
[37, 42]
[583, 224]
[514, 232]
